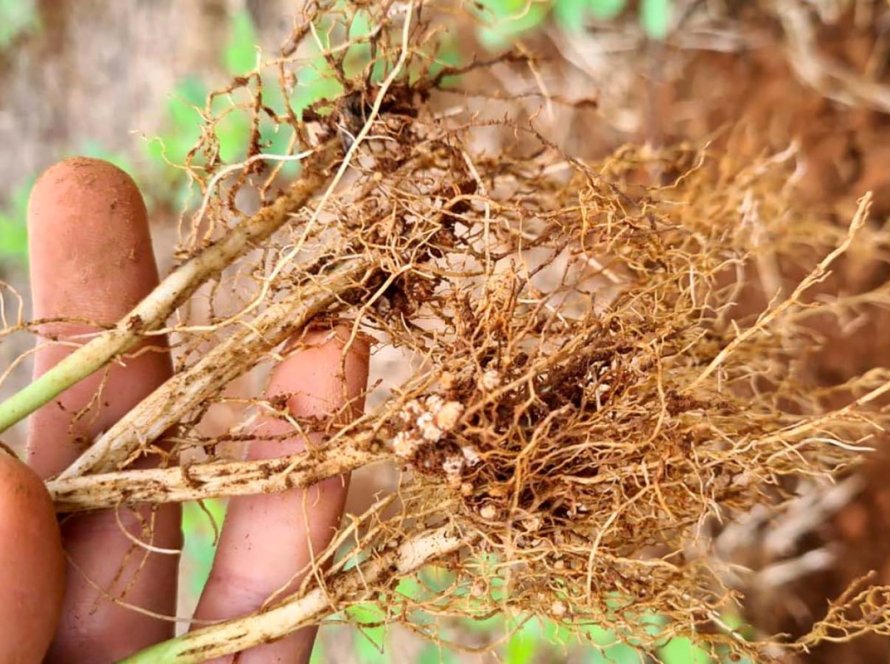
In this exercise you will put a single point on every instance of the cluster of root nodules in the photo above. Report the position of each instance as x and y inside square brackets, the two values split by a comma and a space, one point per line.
[606, 355]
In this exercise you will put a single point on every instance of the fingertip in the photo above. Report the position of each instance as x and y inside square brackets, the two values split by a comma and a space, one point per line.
[91, 262]
[339, 335]
[268, 541]
[89, 241]
[323, 370]
[84, 171]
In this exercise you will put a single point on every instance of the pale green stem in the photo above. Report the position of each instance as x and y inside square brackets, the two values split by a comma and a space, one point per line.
[230, 358]
[151, 312]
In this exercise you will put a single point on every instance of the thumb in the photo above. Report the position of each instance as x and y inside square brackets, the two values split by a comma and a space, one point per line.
[32, 565]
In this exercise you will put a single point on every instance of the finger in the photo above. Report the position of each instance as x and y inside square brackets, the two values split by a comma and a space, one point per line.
[32, 567]
[91, 259]
[269, 541]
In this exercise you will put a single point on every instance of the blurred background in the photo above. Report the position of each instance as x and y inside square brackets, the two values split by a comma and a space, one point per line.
[123, 81]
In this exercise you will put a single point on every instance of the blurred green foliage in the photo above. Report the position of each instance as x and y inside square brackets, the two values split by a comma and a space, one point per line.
[200, 528]
[571, 14]
[528, 639]
[655, 17]
[16, 17]
[240, 53]
[164, 184]
[523, 639]
[13, 231]
[508, 19]
[13, 215]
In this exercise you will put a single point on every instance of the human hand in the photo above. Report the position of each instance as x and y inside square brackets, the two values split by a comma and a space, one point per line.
[91, 260]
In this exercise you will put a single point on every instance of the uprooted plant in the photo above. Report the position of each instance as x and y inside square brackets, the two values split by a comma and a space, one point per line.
[602, 358]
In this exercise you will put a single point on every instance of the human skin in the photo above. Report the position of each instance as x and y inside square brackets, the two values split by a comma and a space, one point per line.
[91, 259]
[32, 567]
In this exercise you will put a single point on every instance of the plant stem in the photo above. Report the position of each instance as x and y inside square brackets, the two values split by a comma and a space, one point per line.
[296, 611]
[230, 358]
[151, 312]
[211, 480]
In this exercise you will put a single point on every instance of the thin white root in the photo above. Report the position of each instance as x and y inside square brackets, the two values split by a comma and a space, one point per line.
[298, 610]
[210, 480]
[152, 311]
[816, 276]
[240, 352]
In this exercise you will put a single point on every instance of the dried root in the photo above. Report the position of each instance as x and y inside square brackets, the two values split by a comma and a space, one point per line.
[604, 358]
[297, 611]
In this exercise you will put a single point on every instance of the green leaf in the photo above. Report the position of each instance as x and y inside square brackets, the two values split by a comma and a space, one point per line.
[652, 622]
[95, 150]
[233, 132]
[13, 240]
[318, 653]
[607, 9]
[448, 55]
[410, 588]
[600, 636]
[315, 82]
[571, 14]
[240, 53]
[612, 650]
[369, 640]
[683, 651]
[184, 123]
[16, 16]
[624, 654]
[484, 625]
[189, 93]
[506, 20]
[14, 227]
[370, 645]
[365, 612]
[432, 653]
[436, 578]
[655, 17]
[361, 24]
[198, 547]
[523, 644]
[735, 621]
[557, 633]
